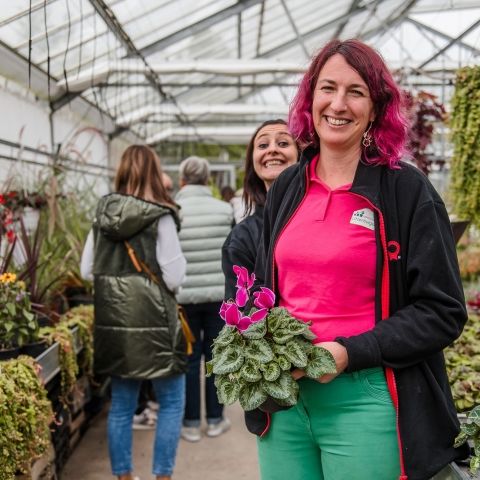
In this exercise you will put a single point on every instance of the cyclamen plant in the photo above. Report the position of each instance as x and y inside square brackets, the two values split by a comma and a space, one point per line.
[254, 354]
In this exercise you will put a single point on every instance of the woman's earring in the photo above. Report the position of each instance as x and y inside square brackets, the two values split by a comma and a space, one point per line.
[367, 137]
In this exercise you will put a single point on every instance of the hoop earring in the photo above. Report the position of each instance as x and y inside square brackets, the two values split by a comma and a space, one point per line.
[367, 137]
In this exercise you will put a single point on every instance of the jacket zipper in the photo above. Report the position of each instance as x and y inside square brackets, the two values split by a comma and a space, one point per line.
[385, 304]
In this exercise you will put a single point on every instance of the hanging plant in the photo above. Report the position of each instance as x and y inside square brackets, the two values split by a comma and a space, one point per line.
[424, 111]
[465, 126]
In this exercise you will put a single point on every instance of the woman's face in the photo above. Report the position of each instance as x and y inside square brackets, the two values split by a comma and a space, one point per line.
[273, 151]
[342, 108]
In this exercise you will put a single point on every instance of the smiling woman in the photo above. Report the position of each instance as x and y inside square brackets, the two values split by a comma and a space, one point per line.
[270, 151]
[385, 316]
[274, 150]
[342, 110]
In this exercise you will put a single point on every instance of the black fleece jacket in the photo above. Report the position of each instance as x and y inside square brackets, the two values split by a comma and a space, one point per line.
[240, 248]
[420, 307]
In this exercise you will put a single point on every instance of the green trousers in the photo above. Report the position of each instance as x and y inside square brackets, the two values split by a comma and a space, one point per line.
[342, 430]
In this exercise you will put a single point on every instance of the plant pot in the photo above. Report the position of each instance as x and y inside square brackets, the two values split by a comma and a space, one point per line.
[78, 296]
[9, 353]
[34, 349]
[43, 320]
[271, 406]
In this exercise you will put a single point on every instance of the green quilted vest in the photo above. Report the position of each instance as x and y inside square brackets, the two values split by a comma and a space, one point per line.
[137, 332]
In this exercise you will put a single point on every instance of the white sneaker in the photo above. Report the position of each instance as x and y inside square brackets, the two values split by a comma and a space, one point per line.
[191, 434]
[154, 406]
[216, 429]
[145, 420]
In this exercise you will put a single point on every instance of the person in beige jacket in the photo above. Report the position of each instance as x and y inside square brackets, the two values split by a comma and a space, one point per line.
[206, 223]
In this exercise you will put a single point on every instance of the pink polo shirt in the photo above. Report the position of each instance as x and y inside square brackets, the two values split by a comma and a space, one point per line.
[325, 258]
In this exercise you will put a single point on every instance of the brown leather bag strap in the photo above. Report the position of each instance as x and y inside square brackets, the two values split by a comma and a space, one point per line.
[141, 266]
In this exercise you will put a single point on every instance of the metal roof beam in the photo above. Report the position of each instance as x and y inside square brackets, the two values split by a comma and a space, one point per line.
[114, 25]
[100, 74]
[25, 12]
[199, 26]
[452, 42]
[353, 7]
[260, 27]
[315, 31]
[229, 134]
[442, 35]
[291, 43]
[393, 19]
[295, 29]
[168, 109]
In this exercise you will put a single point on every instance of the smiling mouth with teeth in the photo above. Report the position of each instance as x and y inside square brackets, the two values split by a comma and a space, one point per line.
[273, 163]
[336, 121]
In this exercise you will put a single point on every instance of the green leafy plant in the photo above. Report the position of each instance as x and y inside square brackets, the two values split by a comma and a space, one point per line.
[83, 318]
[62, 334]
[470, 431]
[465, 165]
[25, 416]
[254, 354]
[463, 366]
[18, 324]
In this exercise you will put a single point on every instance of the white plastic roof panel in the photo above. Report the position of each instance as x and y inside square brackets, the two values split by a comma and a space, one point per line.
[423, 40]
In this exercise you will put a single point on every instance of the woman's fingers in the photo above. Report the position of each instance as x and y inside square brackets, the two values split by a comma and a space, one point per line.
[297, 373]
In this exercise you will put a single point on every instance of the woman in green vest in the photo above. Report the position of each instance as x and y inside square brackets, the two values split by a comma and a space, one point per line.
[134, 257]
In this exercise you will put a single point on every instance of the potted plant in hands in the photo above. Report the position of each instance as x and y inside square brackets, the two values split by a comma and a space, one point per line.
[254, 353]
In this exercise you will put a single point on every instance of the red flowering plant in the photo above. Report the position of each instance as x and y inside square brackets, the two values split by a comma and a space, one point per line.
[6, 219]
[255, 352]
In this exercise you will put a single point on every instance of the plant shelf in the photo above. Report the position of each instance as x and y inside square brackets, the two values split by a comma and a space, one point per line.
[49, 361]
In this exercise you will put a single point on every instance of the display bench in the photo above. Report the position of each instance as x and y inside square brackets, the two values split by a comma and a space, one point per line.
[71, 417]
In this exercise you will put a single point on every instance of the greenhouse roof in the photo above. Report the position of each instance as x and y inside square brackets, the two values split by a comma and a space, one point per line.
[212, 70]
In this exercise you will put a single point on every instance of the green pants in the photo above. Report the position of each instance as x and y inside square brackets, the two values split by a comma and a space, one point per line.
[342, 430]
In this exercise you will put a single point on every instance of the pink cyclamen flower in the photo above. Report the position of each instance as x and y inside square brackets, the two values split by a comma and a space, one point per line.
[223, 309]
[244, 280]
[232, 316]
[244, 284]
[241, 297]
[265, 298]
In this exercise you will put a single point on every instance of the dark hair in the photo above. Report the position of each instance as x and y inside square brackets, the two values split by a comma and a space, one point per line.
[140, 174]
[254, 191]
[390, 127]
[227, 193]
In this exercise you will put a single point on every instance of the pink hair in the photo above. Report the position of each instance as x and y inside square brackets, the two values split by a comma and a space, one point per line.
[390, 127]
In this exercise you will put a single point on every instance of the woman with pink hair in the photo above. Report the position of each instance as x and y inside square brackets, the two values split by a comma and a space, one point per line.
[359, 244]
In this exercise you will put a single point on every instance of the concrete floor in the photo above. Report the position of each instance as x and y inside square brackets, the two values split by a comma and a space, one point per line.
[232, 456]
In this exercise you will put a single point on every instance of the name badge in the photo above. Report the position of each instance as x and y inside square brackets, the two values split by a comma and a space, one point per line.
[364, 217]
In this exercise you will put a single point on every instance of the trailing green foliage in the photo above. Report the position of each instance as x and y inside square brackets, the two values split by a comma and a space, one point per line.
[253, 365]
[82, 317]
[25, 416]
[470, 431]
[465, 168]
[463, 366]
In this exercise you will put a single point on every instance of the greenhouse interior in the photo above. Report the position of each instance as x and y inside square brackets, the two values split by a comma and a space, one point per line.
[138, 143]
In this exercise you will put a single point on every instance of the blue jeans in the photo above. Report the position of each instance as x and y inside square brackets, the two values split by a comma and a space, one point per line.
[170, 394]
[205, 323]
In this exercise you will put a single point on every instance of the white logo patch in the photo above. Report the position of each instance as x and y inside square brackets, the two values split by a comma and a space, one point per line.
[364, 218]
